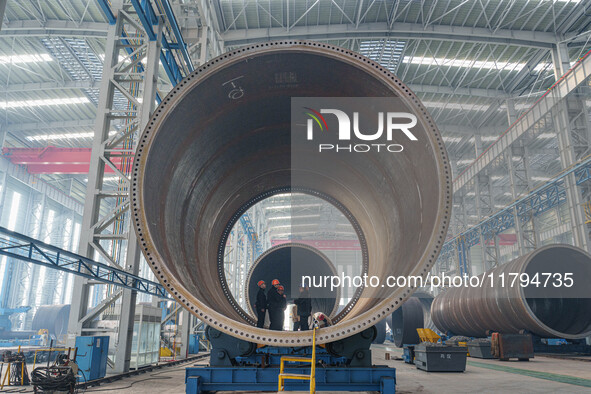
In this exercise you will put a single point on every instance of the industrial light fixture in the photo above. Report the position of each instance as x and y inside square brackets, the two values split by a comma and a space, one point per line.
[295, 225]
[489, 138]
[293, 217]
[63, 136]
[294, 206]
[460, 106]
[107, 179]
[300, 233]
[20, 59]
[43, 102]
[470, 63]
[452, 139]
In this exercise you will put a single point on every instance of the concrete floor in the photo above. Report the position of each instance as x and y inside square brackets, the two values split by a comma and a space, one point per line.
[478, 377]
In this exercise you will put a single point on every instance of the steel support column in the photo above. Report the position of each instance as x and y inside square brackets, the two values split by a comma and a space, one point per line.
[210, 40]
[184, 328]
[560, 59]
[463, 256]
[520, 184]
[127, 97]
[128, 299]
[571, 148]
[513, 179]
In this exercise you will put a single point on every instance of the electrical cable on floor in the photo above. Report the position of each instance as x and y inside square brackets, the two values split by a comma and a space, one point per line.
[153, 376]
[132, 383]
[83, 376]
[60, 376]
[53, 378]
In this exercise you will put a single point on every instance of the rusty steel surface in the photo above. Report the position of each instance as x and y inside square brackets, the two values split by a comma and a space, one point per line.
[474, 311]
[221, 140]
[287, 262]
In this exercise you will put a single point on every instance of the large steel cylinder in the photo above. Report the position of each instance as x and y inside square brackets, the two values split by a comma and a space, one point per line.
[544, 309]
[287, 263]
[54, 318]
[414, 313]
[221, 141]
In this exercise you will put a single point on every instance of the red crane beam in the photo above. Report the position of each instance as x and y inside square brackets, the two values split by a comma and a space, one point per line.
[52, 160]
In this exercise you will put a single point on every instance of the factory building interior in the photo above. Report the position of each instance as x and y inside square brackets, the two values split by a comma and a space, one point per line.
[168, 166]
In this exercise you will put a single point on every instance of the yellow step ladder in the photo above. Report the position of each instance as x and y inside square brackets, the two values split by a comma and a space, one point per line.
[312, 377]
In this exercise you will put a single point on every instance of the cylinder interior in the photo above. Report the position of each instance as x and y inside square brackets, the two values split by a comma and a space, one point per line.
[288, 263]
[562, 309]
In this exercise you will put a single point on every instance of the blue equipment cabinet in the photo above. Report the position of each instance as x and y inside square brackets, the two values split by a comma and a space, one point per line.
[92, 357]
[193, 343]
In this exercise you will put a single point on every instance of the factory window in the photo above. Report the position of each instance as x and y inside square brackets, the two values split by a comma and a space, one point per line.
[15, 201]
[44, 283]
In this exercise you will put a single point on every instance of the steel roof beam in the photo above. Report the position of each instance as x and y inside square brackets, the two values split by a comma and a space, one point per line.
[527, 70]
[575, 14]
[41, 126]
[473, 92]
[2, 9]
[398, 31]
[60, 28]
[44, 86]
[447, 128]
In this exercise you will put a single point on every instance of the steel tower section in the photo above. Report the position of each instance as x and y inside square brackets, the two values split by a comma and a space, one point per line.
[130, 75]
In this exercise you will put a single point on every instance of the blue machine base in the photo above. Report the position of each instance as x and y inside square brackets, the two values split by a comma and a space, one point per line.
[202, 379]
[408, 354]
[271, 355]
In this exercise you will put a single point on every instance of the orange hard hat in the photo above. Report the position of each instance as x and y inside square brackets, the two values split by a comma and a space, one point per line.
[261, 282]
[280, 287]
[275, 282]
